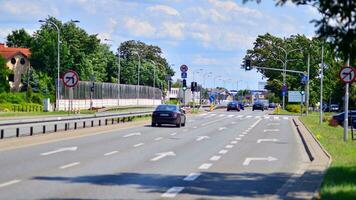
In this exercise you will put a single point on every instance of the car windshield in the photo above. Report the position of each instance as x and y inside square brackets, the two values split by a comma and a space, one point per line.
[167, 108]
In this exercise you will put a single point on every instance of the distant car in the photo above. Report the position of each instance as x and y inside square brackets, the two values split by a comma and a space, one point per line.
[258, 106]
[340, 118]
[233, 105]
[168, 114]
[331, 108]
[241, 105]
[272, 105]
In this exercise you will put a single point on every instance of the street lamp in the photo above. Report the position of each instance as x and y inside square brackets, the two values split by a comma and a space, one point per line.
[118, 70]
[154, 79]
[58, 54]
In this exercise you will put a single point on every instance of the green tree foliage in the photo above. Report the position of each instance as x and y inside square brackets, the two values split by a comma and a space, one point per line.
[4, 72]
[19, 38]
[337, 25]
[86, 54]
[150, 58]
[267, 53]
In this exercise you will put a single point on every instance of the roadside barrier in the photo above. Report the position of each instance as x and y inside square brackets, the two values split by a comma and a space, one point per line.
[20, 129]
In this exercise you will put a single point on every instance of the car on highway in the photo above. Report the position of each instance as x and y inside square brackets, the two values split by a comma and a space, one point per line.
[272, 105]
[340, 118]
[168, 114]
[258, 106]
[331, 108]
[233, 105]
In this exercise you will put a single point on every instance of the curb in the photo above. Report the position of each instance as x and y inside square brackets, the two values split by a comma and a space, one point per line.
[307, 145]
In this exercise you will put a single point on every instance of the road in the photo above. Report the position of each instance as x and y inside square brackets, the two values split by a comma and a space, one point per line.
[218, 155]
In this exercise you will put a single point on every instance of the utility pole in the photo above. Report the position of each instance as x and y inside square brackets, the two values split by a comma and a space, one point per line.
[308, 86]
[321, 84]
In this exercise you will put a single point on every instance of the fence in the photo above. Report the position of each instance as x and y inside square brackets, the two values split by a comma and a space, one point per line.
[86, 95]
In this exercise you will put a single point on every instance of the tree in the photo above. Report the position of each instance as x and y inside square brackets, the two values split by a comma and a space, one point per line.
[19, 38]
[4, 72]
[337, 25]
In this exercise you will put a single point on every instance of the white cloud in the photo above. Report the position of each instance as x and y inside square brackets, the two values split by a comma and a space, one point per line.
[173, 30]
[232, 6]
[200, 60]
[139, 27]
[163, 9]
[17, 8]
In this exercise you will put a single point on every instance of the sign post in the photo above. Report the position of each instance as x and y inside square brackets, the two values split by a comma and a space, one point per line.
[70, 80]
[347, 75]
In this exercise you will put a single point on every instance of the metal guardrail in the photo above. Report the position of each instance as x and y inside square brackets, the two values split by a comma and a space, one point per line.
[17, 129]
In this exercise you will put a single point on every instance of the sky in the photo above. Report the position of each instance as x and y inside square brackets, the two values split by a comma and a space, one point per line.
[206, 35]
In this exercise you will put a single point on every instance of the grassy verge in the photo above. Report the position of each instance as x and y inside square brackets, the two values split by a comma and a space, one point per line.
[278, 111]
[340, 178]
[29, 114]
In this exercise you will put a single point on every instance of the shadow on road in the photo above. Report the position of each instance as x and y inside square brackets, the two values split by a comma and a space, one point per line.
[208, 185]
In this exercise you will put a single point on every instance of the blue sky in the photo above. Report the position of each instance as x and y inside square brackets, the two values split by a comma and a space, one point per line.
[212, 35]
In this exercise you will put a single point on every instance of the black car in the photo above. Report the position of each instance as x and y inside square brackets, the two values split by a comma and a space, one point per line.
[258, 106]
[233, 106]
[272, 105]
[168, 114]
[340, 118]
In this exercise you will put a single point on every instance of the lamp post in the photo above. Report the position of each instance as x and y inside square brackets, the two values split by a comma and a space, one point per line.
[58, 55]
[284, 62]
[154, 79]
[138, 75]
[118, 70]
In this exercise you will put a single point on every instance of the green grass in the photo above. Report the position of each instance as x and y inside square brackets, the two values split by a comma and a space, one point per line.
[283, 112]
[29, 114]
[340, 178]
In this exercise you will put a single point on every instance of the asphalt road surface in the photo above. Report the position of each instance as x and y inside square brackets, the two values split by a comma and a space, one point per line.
[218, 155]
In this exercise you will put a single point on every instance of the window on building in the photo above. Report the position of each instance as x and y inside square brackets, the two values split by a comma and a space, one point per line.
[11, 77]
[22, 61]
[13, 61]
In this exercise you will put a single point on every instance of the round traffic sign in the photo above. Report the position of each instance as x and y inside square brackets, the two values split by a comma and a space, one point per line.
[70, 78]
[184, 68]
[347, 74]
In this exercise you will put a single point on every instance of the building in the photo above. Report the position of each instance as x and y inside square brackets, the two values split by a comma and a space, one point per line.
[17, 61]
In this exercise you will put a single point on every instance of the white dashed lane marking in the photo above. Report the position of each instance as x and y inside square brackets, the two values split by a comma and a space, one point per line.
[224, 151]
[172, 192]
[205, 166]
[69, 165]
[110, 153]
[139, 144]
[159, 138]
[215, 158]
[9, 183]
[192, 176]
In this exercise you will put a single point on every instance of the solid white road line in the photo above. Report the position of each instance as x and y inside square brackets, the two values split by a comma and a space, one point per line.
[267, 140]
[132, 134]
[192, 177]
[69, 165]
[229, 146]
[215, 158]
[111, 153]
[158, 138]
[248, 160]
[233, 142]
[271, 130]
[205, 166]
[9, 183]
[59, 150]
[139, 144]
[224, 151]
[162, 155]
[172, 192]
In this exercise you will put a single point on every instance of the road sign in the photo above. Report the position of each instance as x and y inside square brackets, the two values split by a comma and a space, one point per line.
[184, 68]
[183, 75]
[295, 96]
[347, 74]
[70, 78]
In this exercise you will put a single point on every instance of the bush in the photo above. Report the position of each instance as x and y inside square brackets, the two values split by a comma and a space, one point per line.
[294, 108]
[173, 101]
[15, 98]
[25, 107]
[36, 98]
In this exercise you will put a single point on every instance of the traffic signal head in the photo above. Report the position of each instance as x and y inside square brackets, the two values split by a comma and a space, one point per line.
[184, 84]
[248, 64]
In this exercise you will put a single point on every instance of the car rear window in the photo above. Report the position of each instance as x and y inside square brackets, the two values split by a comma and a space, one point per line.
[167, 108]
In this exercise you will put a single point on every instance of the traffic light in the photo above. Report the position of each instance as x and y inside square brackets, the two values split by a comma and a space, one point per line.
[184, 85]
[193, 86]
[248, 65]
